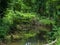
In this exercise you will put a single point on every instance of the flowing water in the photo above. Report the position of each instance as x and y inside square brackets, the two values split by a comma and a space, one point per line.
[30, 41]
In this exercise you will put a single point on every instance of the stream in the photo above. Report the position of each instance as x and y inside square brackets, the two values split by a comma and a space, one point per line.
[30, 41]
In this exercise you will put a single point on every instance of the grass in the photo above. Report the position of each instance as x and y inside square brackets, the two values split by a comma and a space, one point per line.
[58, 41]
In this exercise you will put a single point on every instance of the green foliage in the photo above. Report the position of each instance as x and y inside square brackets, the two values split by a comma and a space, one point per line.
[19, 20]
[30, 17]
[47, 21]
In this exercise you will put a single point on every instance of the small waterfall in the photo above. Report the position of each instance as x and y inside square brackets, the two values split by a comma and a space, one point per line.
[28, 43]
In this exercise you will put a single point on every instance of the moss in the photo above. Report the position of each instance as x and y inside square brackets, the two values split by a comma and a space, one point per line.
[47, 21]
